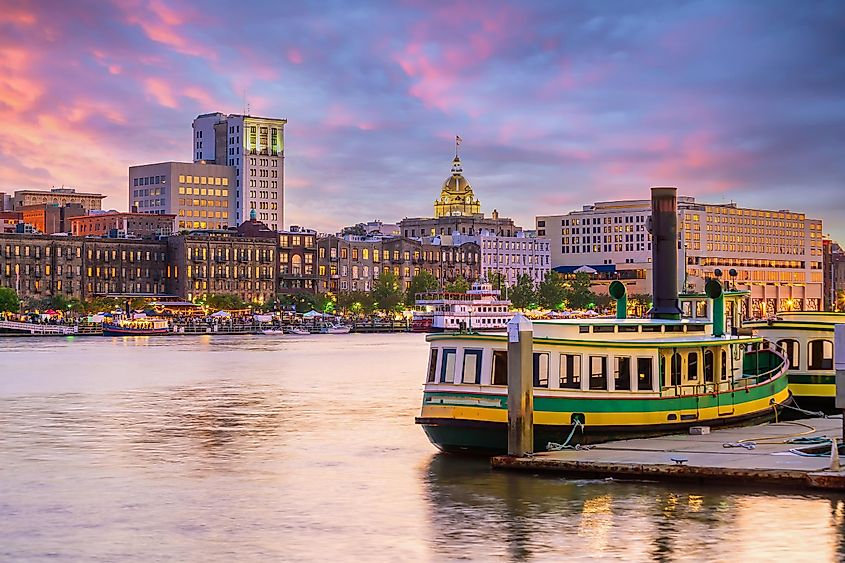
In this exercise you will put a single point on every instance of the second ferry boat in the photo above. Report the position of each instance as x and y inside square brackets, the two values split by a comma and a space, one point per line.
[603, 379]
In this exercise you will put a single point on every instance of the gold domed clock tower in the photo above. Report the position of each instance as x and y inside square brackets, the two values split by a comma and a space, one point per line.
[456, 196]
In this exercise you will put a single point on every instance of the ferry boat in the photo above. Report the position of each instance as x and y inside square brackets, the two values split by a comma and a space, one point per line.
[479, 309]
[602, 379]
[807, 340]
[136, 327]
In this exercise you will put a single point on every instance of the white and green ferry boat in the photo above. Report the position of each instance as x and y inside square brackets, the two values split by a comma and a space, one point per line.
[609, 378]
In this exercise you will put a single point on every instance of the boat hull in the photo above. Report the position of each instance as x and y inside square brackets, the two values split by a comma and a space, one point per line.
[483, 430]
[123, 331]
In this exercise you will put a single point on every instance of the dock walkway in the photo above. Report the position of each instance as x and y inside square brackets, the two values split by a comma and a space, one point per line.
[703, 458]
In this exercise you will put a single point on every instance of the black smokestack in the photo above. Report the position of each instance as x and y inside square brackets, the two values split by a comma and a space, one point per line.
[664, 253]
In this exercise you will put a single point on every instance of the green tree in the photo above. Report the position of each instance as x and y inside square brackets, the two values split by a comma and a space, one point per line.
[578, 294]
[102, 305]
[224, 301]
[551, 294]
[421, 283]
[386, 292]
[639, 303]
[602, 300]
[458, 285]
[9, 301]
[522, 293]
[357, 302]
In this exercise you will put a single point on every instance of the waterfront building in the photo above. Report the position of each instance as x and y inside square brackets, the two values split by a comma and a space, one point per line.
[200, 195]
[51, 218]
[834, 273]
[39, 266]
[457, 210]
[254, 147]
[115, 224]
[297, 260]
[58, 197]
[511, 257]
[777, 255]
[209, 262]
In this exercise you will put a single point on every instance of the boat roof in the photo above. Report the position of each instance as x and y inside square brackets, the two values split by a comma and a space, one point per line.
[614, 321]
[669, 341]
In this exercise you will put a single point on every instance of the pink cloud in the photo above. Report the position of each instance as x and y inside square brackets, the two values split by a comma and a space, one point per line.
[295, 56]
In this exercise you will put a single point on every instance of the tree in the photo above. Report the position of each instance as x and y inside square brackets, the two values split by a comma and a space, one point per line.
[458, 285]
[602, 300]
[102, 305]
[9, 301]
[421, 283]
[639, 303]
[578, 293]
[551, 294]
[840, 300]
[522, 293]
[386, 292]
[357, 302]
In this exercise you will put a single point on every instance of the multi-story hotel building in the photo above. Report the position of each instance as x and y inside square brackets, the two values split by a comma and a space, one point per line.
[39, 266]
[254, 146]
[511, 257]
[777, 254]
[202, 196]
[58, 197]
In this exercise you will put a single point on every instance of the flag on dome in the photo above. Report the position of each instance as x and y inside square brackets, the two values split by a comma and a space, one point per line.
[458, 140]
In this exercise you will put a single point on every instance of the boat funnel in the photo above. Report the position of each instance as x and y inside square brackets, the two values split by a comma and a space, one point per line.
[617, 291]
[663, 226]
[713, 289]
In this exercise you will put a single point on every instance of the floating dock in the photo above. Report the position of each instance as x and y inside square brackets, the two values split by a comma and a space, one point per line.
[703, 458]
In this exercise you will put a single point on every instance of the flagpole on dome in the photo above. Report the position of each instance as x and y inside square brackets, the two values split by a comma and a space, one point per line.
[458, 141]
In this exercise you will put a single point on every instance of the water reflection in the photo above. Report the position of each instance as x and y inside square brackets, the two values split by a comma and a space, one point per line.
[474, 510]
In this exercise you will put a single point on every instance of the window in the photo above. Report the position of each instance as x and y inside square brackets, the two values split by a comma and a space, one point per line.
[709, 367]
[447, 370]
[644, 375]
[500, 367]
[570, 371]
[791, 349]
[432, 364]
[820, 355]
[622, 373]
[472, 367]
[724, 365]
[675, 371]
[692, 366]
[541, 369]
[598, 372]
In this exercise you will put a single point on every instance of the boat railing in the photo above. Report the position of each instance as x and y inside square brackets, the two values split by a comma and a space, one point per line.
[775, 363]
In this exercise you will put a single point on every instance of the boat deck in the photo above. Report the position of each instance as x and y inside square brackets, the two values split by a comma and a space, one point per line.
[705, 459]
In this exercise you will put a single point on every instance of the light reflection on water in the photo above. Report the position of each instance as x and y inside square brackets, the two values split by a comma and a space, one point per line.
[258, 448]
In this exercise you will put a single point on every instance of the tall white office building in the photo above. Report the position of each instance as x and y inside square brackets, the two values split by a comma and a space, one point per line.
[254, 147]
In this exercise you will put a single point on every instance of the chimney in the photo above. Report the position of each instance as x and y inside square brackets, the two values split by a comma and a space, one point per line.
[663, 226]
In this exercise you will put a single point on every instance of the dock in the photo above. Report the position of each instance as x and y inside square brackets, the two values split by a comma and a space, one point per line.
[702, 458]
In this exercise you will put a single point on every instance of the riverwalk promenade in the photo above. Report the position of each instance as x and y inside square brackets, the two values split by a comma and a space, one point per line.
[749, 455]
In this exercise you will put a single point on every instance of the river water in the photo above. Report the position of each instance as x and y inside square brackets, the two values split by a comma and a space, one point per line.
[256, 448]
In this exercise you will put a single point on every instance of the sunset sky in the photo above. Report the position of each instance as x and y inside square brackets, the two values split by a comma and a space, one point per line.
[559, 103]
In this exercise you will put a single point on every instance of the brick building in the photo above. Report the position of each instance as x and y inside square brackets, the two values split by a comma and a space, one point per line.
[142, 225]
[51, 218]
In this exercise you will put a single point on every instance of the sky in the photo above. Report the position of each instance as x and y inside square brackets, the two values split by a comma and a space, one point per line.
[559, 103]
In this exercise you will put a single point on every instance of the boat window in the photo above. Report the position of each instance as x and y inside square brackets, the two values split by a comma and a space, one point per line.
[432, 366]
[582, 329]
[674, 328]
[604, 328]
[709, 367]
[692, 366]
[686, 309]
[541, 369]
[724, 366]
[821, 354]
[695, 328]
[644, 367]
[447, 366]
[792, 350]
[500, 367]
[622, 373]
[701, 309]
[472, 367]
[570, 371]
[652, 328]
[675, 371]
[598, 372]
[629, 328]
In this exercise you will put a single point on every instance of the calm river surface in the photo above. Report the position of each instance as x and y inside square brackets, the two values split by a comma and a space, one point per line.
[304, 448]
